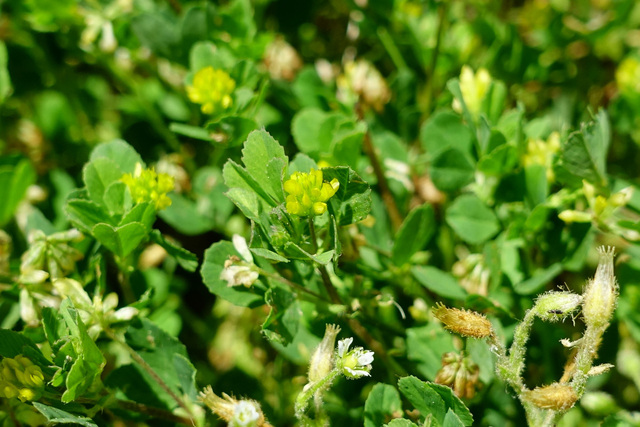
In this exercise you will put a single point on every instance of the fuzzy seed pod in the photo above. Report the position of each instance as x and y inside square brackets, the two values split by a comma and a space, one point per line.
[463, 322]
[558, 397]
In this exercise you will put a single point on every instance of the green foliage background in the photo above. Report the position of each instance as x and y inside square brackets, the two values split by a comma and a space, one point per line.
[435, 204]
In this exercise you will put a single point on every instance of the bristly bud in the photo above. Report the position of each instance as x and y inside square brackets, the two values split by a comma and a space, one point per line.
[554, 306]
[321, 361]
[558, 397]
[463, 322]
[601, 293]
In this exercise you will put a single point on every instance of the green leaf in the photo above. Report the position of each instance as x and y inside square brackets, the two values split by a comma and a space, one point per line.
[121, 153]
[194, 132]
[235, 176]
[13, 343]
[270, 255]
[117, 199]
[500, 161]
[537, 185]
[120, 240]
[58, 416]
[89, 360]
[16, 175]
[5, 80]
[143, 213]
[158, 32]
[165, 355]
[425, 346]
[382, 404]
[187, 260]
[452, 420]
[539, 280]
[453, 402]
[452, 169]
[445, 130]
[438, 281]
[264, 160]
[247, 201]
[212, 266]
[414, 234]
[305, 128]
[352, 201]
[584, 153]
[98, 175]
[423, 398]
[285, 315]
[434, 399]
[184, 216]
[401, 422]
[471, 219]
[296, 251]
[85, 214]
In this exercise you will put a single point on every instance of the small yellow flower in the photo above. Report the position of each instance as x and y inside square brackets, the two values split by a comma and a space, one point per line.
[146, 185]
[212, 88]
[308, 193]
[474, 88]
[628, 76]
[541, 153]
[20, 378]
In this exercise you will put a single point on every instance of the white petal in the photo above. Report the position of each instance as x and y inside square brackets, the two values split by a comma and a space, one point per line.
[343, 346]
[366, 358]
[240, 244]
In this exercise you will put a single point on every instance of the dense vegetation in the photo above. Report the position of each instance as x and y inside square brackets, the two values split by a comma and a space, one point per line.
[319, 213]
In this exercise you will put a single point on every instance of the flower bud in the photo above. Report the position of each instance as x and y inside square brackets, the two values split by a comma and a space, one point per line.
[460, 373]
[601, 293]
[554, 306]
[321, 361]
[20, 378]
[463, 322]
[558, 397]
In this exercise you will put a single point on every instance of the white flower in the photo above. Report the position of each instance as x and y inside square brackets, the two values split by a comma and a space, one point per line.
[240, 245]
[355, 363]
[245, 414]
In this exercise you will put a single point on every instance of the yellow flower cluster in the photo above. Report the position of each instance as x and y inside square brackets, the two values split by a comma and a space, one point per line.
[146, 185]
[20, 378]
[308, 193]
[541, 153]
[212, 88]
[628, 76]
[474, 88]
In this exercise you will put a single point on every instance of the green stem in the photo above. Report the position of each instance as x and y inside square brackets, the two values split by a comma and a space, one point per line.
[153, 412]
[392, 48]
[144, 365]
[434, 60]
[302, 401]
[293, 285]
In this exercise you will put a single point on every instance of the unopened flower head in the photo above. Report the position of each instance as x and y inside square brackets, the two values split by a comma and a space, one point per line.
[238, 413]
[463, 322]
[354, 363]
[322, 359]
[308, 193]
[474, 88]
[362, 79]
[282, 60]
[146, 185]
[460, 373]
[213, 89]
[20, 378]
[558, 397]
[601, 293]
[554, 306]
[51, 253]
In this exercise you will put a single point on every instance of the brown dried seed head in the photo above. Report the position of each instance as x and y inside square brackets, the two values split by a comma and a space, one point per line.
[463, 322]
[559, 397]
